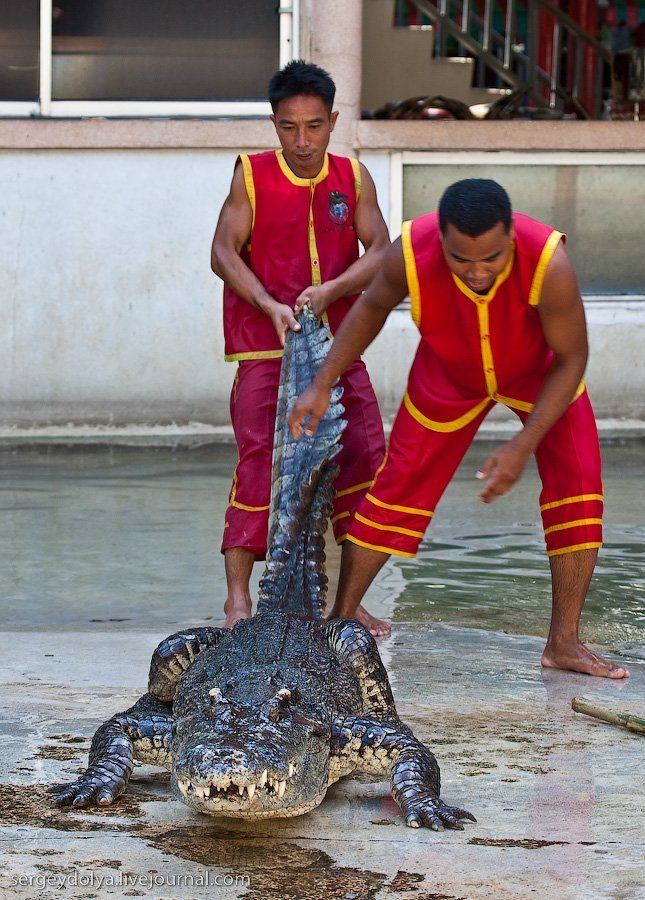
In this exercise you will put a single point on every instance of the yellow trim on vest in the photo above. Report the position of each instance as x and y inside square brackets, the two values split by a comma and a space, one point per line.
[404, 509]
[249, 183]
[388, 550]
[562, 550]
[360, 518]
[358, 181]
[579, 499]
[499, 281]
[546, 255]
[316, 277]
[487, 353]
[342, 515]
[295, 179]
[356, 487]
[454, 425]
[522, 405]
[525, 406]
[411, 273]
[575, 524]
[253, 354]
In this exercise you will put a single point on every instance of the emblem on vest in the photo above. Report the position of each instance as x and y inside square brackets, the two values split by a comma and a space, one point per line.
[338, 208]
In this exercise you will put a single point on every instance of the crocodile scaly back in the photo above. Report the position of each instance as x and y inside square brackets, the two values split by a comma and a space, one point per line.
[302, 490]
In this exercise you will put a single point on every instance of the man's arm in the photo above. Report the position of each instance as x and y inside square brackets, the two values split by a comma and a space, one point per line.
[371, 231]
[232, 233]
[563, 322]
[360, 326]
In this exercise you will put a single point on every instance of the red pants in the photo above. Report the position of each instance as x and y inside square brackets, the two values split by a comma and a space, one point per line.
[396, 512]
[253, 409]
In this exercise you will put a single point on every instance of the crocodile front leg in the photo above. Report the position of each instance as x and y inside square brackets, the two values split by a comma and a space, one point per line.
[142, 732]
[351, 640]
[175, 654]
[389, 747]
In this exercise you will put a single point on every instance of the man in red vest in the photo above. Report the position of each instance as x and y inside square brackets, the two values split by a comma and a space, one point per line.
[288, 236]
[501, 319]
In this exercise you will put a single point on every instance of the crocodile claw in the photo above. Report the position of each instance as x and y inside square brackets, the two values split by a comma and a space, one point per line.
[435, 814]
[92, 788]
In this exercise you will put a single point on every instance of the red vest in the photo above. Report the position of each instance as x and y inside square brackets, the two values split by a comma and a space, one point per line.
[476, 349]
[302, 234]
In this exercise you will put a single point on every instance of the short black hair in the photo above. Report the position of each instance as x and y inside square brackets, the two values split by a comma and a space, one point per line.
[299, 77]
[474, 206]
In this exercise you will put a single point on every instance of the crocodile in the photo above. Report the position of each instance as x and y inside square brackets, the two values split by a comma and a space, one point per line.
[257, 721]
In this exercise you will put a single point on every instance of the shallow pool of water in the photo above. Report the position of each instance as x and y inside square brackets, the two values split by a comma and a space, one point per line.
[130, 539]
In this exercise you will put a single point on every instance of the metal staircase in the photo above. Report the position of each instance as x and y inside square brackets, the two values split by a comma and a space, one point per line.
[558, 65]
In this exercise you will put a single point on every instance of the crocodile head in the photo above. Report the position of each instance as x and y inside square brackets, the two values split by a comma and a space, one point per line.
[245, 759]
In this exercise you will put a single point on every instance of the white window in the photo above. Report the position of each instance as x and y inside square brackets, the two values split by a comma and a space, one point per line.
[142, 57]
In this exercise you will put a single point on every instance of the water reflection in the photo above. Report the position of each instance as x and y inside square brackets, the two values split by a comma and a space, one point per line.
[105, 538]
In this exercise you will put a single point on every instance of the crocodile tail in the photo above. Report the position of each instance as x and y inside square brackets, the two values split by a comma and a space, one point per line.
[302, 491]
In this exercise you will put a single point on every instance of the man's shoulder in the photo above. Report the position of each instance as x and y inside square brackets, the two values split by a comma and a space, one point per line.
[526, 224]
[426, 225]
[262, 156]
[532, 236]
[343, 163]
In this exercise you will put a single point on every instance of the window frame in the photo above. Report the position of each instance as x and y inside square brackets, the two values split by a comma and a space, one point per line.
[46, 108]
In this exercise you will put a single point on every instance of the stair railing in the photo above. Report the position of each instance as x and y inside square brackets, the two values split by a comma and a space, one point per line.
[556, 86]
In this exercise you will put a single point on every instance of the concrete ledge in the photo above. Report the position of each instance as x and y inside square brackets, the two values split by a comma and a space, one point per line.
[96, 133]
[197, 434]
[450, 135]
[100, 134]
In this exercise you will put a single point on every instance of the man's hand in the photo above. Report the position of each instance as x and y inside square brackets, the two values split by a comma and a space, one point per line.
[317, 297]
[502, 468]
[313, 404]
[283, 319]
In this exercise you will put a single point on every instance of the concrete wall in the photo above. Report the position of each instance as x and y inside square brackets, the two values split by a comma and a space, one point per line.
[615, 376]
[110, 312]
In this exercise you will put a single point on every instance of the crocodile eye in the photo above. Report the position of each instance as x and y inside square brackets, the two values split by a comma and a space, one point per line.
[274, 709]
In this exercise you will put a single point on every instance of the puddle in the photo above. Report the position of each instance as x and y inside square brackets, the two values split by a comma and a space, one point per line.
[85, 537]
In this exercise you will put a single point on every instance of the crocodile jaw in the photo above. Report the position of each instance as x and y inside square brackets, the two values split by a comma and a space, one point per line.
[242, 796]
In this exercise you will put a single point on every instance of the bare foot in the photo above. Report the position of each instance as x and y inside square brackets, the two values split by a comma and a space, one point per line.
[575, 657]
[236, 609]
[377, 627]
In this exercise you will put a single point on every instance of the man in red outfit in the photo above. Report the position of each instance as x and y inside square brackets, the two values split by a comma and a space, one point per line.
[501, 320]
[288, 237]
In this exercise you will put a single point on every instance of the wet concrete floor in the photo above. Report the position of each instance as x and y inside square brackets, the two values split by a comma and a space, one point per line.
[104, 554]
[558, 797]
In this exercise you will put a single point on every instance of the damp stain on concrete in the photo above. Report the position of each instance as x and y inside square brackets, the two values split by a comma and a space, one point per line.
[61, 753]
[525, 843]
[279, 870]
[31, 805]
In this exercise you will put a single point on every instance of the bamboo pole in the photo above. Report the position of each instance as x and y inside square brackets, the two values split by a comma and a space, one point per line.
[624, 720]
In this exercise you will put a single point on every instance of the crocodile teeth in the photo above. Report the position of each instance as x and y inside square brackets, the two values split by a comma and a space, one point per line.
[282, 786]
[207, 793]
[183, 785]
[292, 769]
[200, 791]
[263, 778]
[251, 790]
[241, 790]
